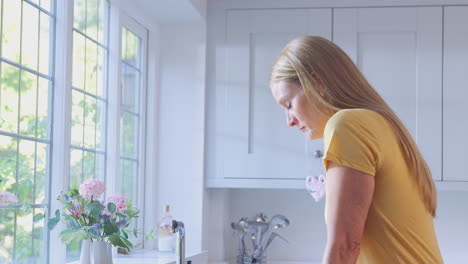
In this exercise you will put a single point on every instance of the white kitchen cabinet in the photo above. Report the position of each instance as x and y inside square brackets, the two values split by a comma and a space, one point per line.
[455, 93]
[399, 50]
[416, 65]
[254, 146]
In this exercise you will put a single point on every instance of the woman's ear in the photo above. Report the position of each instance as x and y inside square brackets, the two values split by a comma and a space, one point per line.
[315, 77]
[319, 85]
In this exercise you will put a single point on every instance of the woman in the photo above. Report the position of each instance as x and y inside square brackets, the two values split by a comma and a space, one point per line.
[380, 196]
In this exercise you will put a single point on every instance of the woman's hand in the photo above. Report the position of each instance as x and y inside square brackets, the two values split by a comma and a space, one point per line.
[348, 197]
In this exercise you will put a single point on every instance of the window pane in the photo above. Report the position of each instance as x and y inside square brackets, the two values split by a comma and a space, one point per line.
[11, 30]
[100, 69]
[77, 118]
[28, 104]
[76, 167]
[43, 120]
[24, 224]
[130, 88]
[25, 106]
[9, 96]
[129, 135]
[30, 36]
[47, 4]
[129, 180]
[102, 18]
[73, 251]
[41, 178]
[91, 67]
[8, 157]
[89, 161]
[29, 245]
[100, 166]
[92, 18]
[90, 122]
[44, 43]
[79, 16]
[100, 125]
[39, 234]
[26, 171]
[89, 102]
[130, 48]
[129, 184]
[7, 232]
[79, 58]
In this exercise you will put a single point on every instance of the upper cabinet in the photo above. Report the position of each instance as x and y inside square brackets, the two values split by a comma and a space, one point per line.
[254, 140]
[455, 94]
[399, 50]
[415, 57]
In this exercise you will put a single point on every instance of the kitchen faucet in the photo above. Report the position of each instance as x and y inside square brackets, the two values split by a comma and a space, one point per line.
[179, 229]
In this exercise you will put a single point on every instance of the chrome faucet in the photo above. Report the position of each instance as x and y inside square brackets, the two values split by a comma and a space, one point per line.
[179, 229]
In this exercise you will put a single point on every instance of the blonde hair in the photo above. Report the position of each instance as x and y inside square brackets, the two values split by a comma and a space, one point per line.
[345, 87]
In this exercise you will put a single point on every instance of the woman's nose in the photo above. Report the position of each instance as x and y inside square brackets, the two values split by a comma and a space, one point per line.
[292, 121]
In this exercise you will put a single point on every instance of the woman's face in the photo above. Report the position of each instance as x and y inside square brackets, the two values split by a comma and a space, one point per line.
[299, 111]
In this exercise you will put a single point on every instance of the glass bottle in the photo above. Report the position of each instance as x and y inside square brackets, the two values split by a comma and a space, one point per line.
[166, 241]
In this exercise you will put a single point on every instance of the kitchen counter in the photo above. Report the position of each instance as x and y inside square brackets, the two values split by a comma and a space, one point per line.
[155, 257]
[269, 262]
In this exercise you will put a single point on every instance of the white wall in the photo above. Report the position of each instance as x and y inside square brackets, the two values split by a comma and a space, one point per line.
[172, 11]
[216, 221]
[452, 226]
[207, 213]
[307, 233]
[201, 6]
[180, 127]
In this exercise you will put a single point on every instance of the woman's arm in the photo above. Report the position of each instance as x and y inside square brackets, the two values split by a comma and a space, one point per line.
[348, 197]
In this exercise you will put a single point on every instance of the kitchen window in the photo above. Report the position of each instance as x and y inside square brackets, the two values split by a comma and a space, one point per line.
[132, 113]
[57, 126]
[26, 88]
[88, 95]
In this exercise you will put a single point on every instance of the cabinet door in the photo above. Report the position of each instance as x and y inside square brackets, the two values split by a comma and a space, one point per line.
[455, 93]
[257, 143]
[399, 50]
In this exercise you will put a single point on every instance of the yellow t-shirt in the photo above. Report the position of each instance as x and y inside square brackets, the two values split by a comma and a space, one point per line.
[398, 228]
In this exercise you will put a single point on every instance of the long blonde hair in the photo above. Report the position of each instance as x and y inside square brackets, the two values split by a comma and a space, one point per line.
[345, 87]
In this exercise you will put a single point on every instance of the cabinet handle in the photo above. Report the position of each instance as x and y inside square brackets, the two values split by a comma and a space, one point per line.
[318, 154]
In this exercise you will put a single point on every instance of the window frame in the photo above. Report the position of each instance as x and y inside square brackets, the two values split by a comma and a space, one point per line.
[137, 29]
[48, 141]
[61, 118]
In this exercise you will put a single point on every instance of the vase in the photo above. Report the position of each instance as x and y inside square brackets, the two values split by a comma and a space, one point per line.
[85, 254]
[109, 254]
[96, 252]
[100, 252]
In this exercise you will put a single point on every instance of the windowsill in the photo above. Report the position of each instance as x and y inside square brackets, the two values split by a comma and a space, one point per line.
[270, 262]
[144, 256]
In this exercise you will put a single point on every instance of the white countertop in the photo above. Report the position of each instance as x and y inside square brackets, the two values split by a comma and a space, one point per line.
[155, 257]
[268, 261]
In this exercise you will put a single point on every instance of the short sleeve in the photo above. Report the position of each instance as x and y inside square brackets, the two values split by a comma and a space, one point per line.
[351, 139]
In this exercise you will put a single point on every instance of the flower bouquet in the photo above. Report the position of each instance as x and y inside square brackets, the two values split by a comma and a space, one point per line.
[98, 223]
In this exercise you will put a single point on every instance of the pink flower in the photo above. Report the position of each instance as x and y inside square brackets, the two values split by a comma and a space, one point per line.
[92, 187]
[77, 210]
[106, 212]
[8, 198]
[76, 213]
[119, 200]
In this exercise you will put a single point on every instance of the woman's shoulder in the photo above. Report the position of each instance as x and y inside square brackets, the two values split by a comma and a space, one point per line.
[356, 116]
